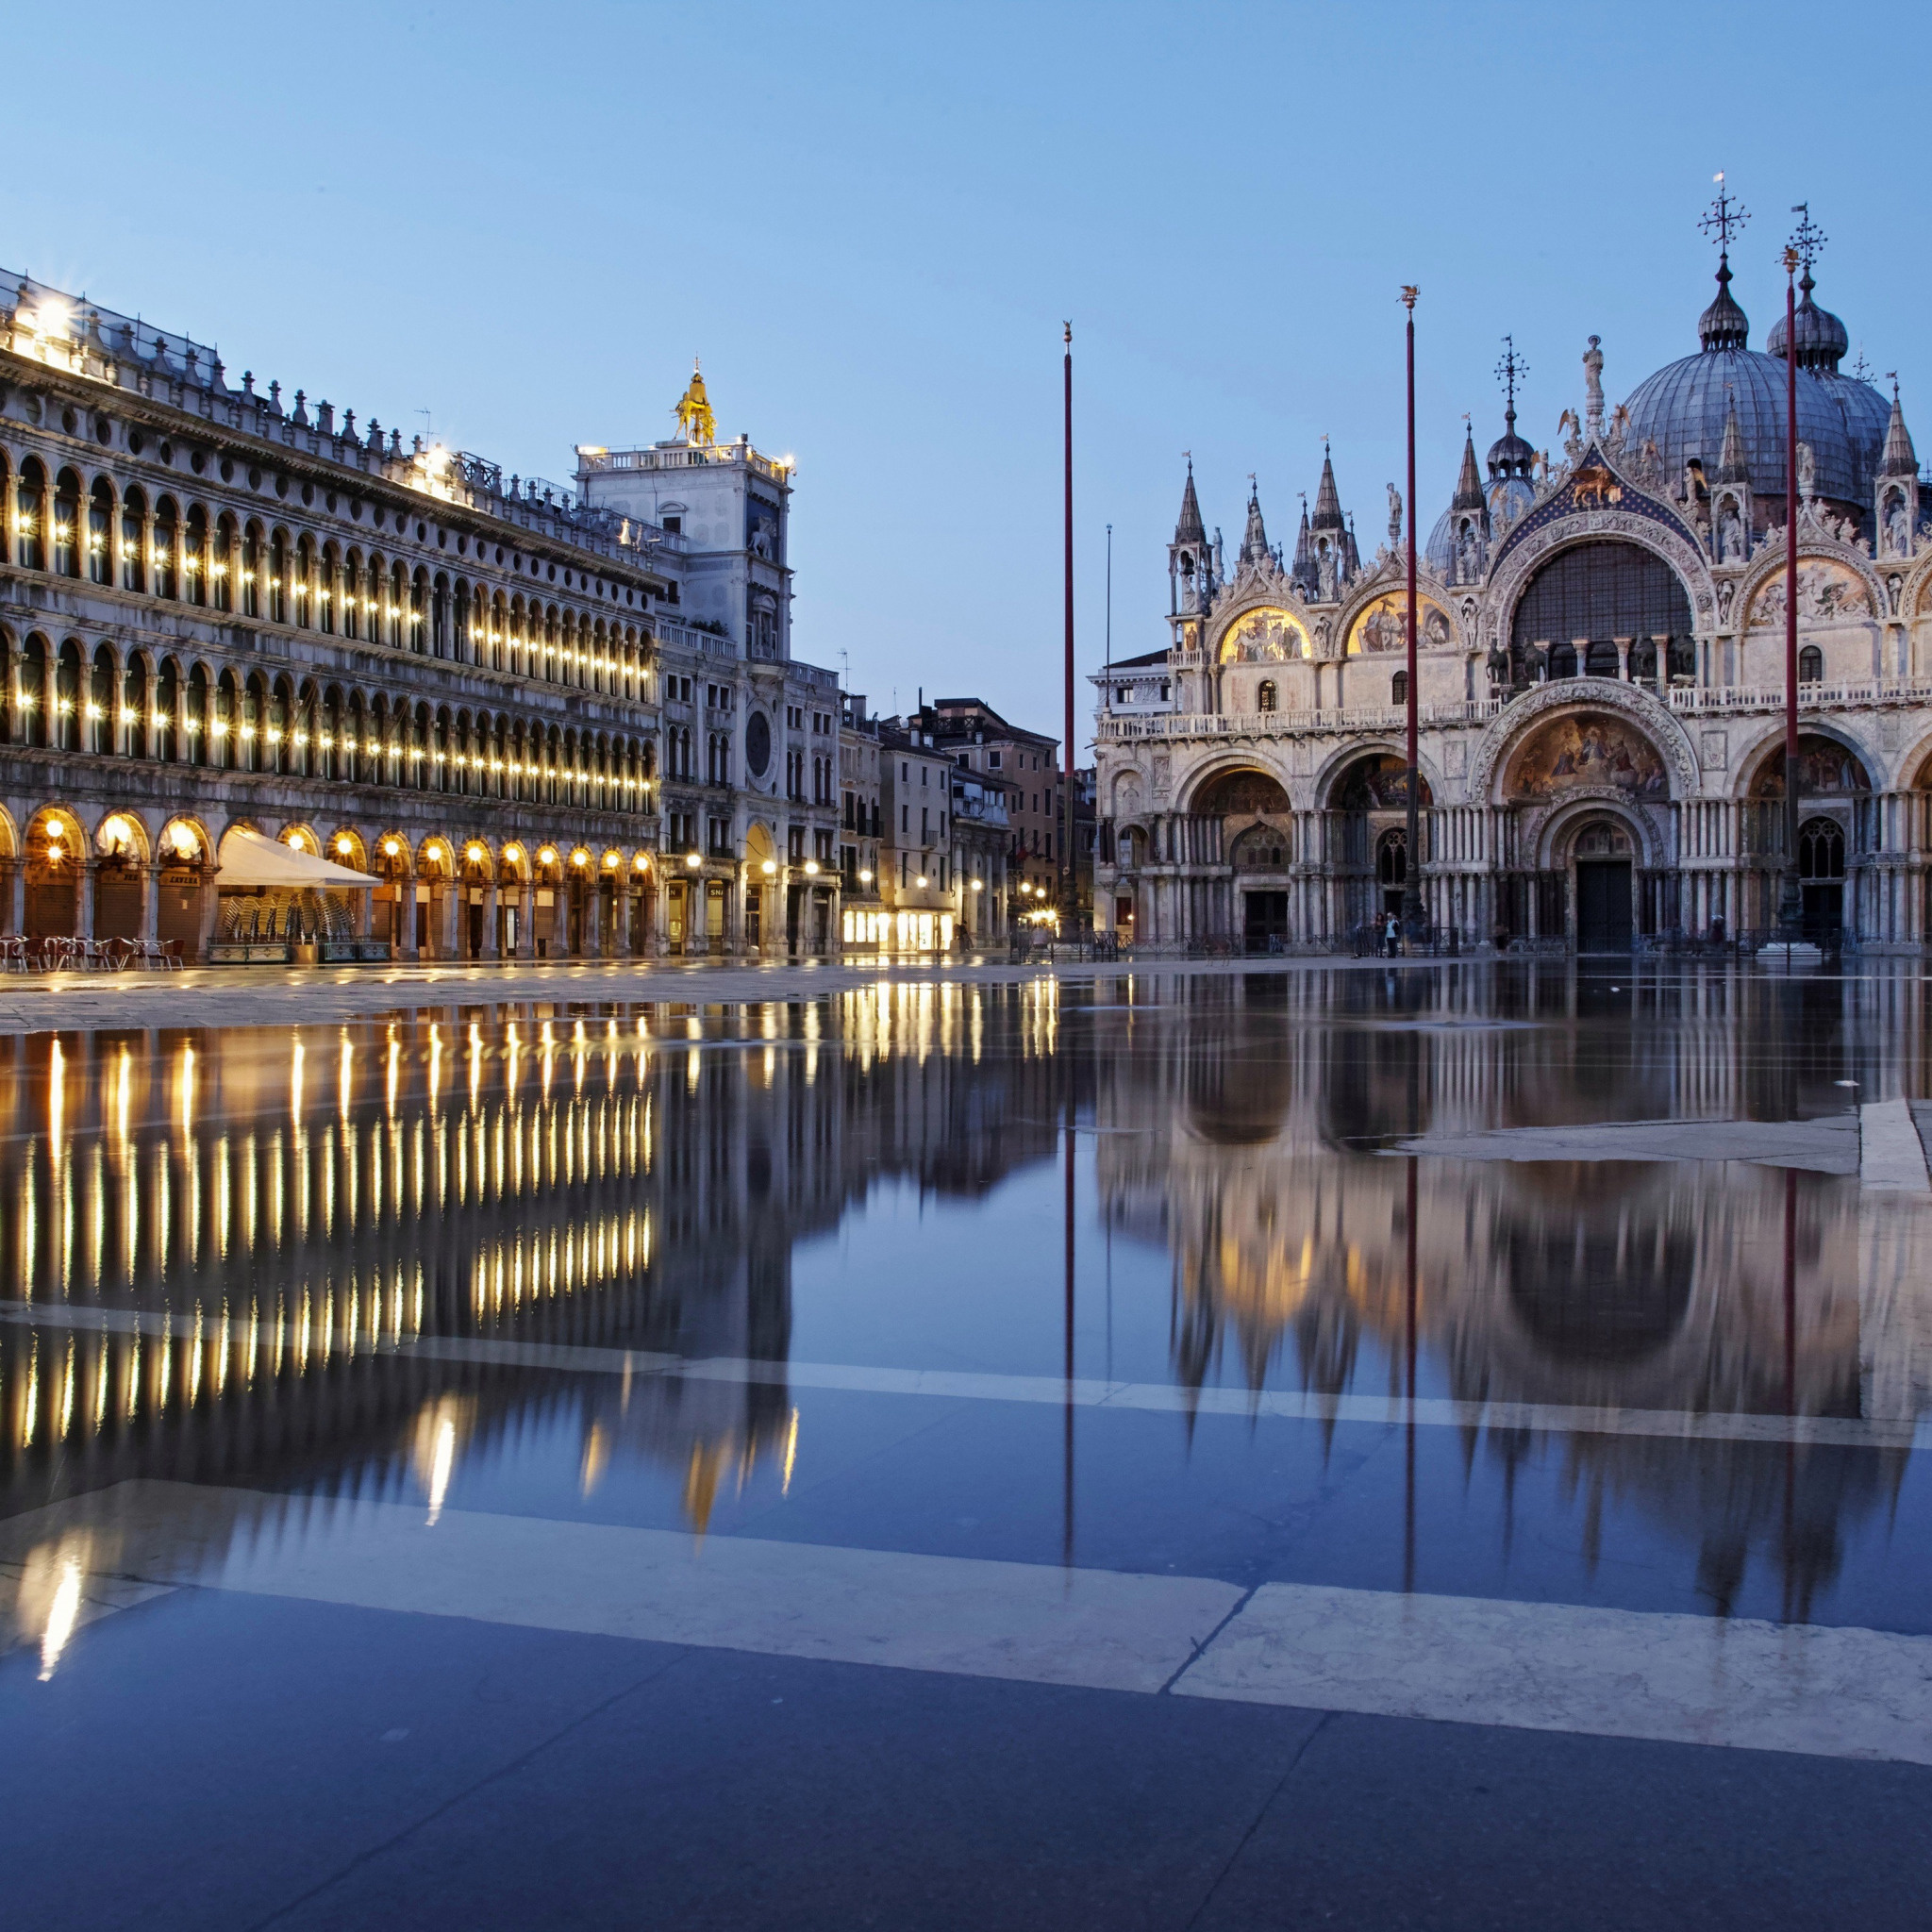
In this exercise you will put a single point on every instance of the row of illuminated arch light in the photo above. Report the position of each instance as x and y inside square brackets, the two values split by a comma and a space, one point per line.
[54, 836]
[131, 706]
[112, 538]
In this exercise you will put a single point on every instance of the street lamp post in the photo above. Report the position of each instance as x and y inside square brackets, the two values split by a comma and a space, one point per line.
[1411, 867]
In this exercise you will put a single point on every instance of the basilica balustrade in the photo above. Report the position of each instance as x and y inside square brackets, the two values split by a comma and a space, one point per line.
[1281, 724]
[1815, 696]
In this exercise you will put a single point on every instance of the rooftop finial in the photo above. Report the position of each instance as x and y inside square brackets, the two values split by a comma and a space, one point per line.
[1725, 216]
[1724, 326]
[1509, 372]
[1807, 238]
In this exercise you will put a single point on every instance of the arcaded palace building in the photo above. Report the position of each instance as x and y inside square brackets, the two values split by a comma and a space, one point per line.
[1601, 684]
[273, 679]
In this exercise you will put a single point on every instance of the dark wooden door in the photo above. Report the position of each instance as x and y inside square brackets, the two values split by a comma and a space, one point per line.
[1603, 905]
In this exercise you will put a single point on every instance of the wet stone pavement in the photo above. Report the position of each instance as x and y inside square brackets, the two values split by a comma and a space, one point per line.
[1437, 1446]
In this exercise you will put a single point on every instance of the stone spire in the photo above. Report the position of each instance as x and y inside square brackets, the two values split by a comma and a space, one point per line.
[1469, 485]
[1303, 568]
[1255, 544]
[1731, 466]
[1327, 501]
[1900, 458]
[1190, 529]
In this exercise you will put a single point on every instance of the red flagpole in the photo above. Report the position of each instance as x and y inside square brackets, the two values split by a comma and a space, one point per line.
[1070, 900]
[1411, 871]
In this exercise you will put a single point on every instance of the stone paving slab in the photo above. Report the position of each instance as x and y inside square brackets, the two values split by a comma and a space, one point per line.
[1819, 1146]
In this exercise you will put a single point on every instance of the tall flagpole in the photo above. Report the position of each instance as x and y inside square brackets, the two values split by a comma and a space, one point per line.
[1791, 898]
[1412, 857]
[1070, 898]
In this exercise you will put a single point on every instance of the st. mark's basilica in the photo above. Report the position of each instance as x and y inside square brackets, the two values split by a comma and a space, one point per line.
[1601, 639]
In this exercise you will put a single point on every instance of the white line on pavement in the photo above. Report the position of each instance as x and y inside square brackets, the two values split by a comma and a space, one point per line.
[1832, 1693]
[1377, 1411]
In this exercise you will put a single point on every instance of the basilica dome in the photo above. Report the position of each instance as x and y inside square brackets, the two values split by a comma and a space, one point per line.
[1683, 407]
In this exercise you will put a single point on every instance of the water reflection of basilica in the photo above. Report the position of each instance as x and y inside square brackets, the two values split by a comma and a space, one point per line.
[1626, 1286]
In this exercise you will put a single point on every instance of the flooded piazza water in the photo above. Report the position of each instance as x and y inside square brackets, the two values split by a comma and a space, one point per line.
[1486, 1352]
[352, 1261]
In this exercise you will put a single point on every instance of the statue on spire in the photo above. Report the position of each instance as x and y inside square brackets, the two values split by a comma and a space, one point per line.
[695, 421]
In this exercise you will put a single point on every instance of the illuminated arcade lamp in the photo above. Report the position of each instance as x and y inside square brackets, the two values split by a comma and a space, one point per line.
[580, 856]
[920, 880]
[693, 860]
[978, 885]
[770, 866]
[612, 860]
[811, 867]
[345, 845]
[295, 842]
[641, 862]
[548, 856]
[865, 878]
[391, 847]
[186, 843]
[476, 855]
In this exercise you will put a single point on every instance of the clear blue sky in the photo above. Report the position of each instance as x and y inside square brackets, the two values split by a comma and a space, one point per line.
[870, 221]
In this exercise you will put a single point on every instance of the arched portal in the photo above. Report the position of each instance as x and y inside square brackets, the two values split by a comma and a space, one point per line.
[1368, 835]
[1243, 801]
[1603, 855]
[1593, 602]
[1821, 875]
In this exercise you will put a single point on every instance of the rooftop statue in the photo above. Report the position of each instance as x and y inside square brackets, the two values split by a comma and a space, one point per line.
[695, 421]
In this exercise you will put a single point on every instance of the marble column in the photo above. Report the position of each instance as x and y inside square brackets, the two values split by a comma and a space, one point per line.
[210, 909]
[492, 940]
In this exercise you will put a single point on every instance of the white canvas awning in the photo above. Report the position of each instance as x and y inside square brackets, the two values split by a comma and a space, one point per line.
[249, 861]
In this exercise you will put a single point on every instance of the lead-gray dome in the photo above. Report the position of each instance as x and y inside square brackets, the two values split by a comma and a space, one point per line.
[1821, 337]
[1683, 407]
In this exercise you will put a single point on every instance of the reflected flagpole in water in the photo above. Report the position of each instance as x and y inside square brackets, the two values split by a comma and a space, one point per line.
[1067, 1442]
[1791, 1371]
[1408, 1452]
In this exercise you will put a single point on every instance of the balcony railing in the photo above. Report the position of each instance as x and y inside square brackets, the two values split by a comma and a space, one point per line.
[1688, 699]
[684, 456]
[1771, 697]
[1268, 724]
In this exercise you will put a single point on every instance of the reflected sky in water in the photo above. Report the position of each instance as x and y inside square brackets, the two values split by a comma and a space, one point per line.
[307, 1262]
